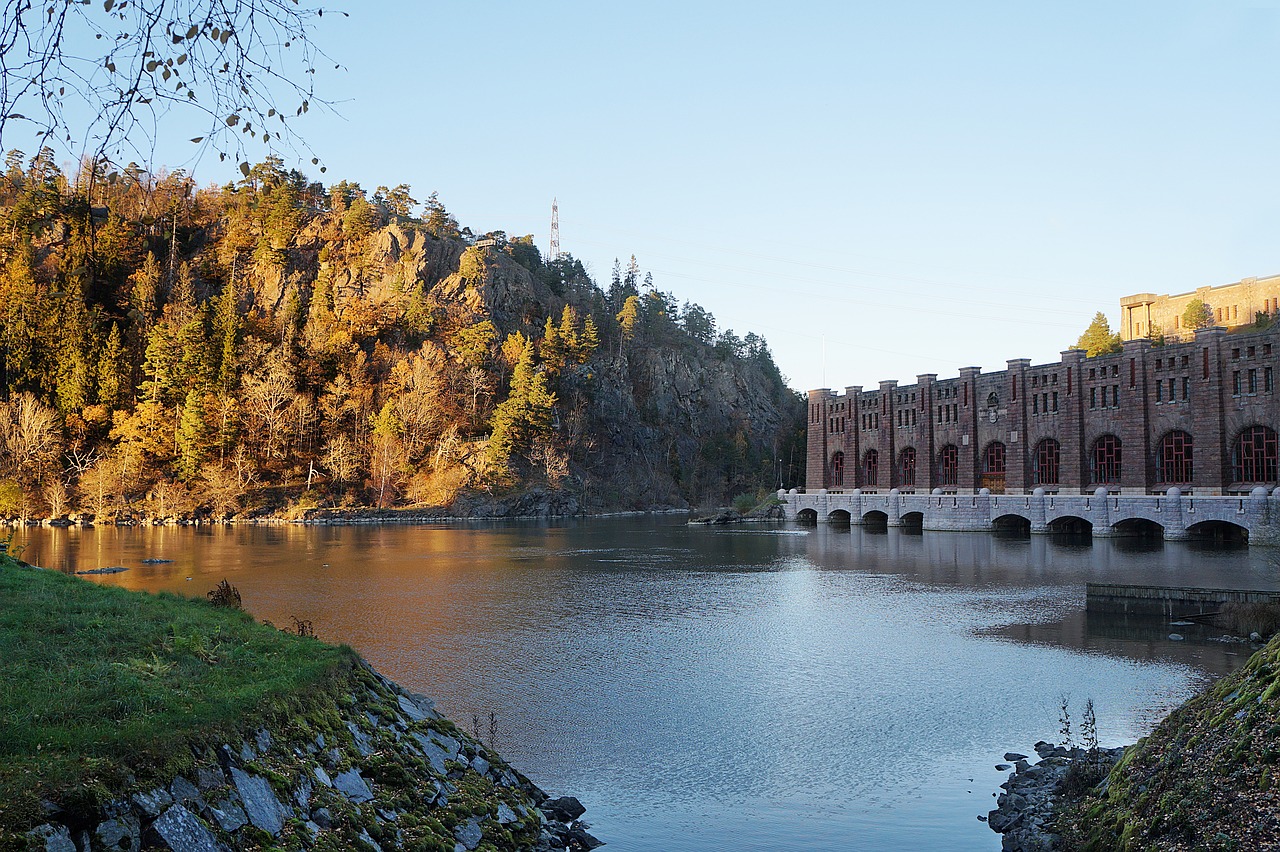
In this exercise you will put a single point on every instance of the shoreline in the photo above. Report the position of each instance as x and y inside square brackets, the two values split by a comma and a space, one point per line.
[348, 517]
[366, 765]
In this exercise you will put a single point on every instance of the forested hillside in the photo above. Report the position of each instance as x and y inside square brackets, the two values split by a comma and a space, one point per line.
[276, 344]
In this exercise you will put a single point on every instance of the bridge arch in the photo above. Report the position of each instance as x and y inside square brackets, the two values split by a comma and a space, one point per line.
[876, 520]
[1138, 528]
[1070, 525]
[1012, 524]
[839, 516]
[913, 522]
[807, 516]
[1219, 532]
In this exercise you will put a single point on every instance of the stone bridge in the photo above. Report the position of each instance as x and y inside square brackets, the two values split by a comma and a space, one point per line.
[1177, 516]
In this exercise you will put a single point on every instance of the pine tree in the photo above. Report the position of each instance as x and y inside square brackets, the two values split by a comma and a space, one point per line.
[551, 348]
[19, 320]
[146, 288]
[192, 437]
[526, 413]
[112, 375]
[182, 296]
[1098, 339]
[569, 330]
[588, 341]
[226, 330]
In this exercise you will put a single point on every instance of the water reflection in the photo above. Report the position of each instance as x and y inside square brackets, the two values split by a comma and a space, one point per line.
[798, 688]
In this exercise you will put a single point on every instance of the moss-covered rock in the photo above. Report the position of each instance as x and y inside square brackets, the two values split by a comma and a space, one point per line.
[1202, 780]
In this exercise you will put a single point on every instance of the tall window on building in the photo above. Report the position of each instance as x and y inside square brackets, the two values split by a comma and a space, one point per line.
[948, 465]
[993, 467]
[1253, 458]
[871, 467]
[837, 470]
[1046, 462]
[907, 466]
[1104, 461]
[1173, 458]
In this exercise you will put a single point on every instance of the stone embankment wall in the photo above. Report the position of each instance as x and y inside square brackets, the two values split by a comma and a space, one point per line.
[1177, 514]
[382, 771]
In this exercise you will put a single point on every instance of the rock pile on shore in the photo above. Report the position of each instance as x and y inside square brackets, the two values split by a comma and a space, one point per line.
[1026, 811]
[383, 771]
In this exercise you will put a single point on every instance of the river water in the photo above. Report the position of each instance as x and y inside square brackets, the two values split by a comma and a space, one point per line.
[753, 688]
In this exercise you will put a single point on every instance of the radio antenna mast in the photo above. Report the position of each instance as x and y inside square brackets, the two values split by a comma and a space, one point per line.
[554, 254]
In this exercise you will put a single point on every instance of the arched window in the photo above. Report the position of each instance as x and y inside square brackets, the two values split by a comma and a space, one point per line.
[1046, 462]
[907, 466]
[837, 469]
[870, 467]
[1173, 458]
[1254, 456]
[1104, 461]
[948, 465]
[993, 400]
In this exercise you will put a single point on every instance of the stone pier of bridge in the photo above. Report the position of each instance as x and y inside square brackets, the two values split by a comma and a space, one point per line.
[1178, 515]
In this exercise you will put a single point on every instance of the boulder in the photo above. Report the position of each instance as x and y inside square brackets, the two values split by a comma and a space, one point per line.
[352, 785]
[469, 833]
[565, 808]
[154, 802]
[183, 790]
[122, 833]
[260, 803]
[229, 816]
[182, 831]
[55, 838]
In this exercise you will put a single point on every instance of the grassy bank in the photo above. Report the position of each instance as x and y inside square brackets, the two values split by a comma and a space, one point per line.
[102, 689]
[1205, 779]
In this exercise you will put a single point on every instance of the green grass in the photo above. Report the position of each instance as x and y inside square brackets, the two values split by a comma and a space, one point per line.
[100, 684]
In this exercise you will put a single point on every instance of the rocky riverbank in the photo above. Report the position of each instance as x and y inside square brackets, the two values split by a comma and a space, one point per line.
[1027, 811]
[382, 770]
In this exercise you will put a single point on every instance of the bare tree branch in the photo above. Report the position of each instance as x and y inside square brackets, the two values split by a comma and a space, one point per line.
[108, 71]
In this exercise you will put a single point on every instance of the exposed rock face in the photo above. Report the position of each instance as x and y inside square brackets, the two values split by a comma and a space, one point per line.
[409, 778]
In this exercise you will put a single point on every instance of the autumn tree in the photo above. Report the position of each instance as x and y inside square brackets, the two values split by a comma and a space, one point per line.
[387, 458]
[1098, 339]
[628, 319]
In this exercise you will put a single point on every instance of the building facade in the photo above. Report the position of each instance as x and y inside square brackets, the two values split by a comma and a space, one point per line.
[1200, 416]
[1231, 306]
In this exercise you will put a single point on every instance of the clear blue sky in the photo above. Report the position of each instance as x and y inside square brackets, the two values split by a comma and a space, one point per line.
[924, 186]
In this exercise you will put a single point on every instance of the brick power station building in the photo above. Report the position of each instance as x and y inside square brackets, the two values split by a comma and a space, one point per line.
[1199, 415]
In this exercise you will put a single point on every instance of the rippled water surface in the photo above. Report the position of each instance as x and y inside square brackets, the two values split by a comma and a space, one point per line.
[755, 688]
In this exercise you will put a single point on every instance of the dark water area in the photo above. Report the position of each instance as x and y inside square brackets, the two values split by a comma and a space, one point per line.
[755, 688]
